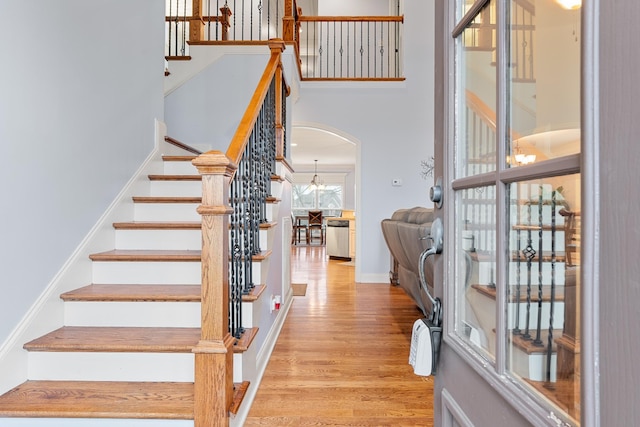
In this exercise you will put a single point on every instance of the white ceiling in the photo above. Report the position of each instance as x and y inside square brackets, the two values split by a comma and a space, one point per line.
[309, 144]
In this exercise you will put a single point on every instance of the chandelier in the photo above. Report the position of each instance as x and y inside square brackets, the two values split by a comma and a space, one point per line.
[519, 158]
[316, 181]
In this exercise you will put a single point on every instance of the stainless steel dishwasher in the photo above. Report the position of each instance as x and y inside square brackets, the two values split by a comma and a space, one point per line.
[338, 238]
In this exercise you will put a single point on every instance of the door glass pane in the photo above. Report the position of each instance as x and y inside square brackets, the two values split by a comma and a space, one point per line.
[544, 80]
[476, 117]
[543, 298]
[475, 267]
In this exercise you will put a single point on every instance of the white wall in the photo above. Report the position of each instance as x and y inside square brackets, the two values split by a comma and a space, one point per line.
[353, 7]
[394, 124]
[81, 88]
[207, 109]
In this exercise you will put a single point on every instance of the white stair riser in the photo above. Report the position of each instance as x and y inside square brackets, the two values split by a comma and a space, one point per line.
[161, 273]
[176, 188]
[159, 239]
[271, 211]
[558, 317]
[484, 273]
[166, 212]
[532, 366]
[179, 168]
[90, 366]
[259, 271]
[276, 189]
[138, 314]
[91, 422]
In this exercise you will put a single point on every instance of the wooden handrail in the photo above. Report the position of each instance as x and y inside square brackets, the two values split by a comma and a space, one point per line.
[240, 138]
[481, 109]
[351, 18]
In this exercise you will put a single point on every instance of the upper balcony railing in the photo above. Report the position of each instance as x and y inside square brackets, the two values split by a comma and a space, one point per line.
[350, 47]
[327, 47]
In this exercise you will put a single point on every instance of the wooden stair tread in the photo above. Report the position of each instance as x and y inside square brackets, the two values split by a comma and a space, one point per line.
[254, 294]
[272, 199]
[96, 399]
[117, 339]
[146, 255]
[134, 292]
[490, 256]
[268, 225]
[178, 58]
[175, 177]
[157, 293]
[174, 158]
[529, 347]
[261, 256]
[245, 340]
[490, 291]
[239, 392]
[164, 199]
[158, 225]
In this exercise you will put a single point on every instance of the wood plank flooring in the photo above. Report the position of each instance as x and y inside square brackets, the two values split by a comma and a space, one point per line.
[342, 356]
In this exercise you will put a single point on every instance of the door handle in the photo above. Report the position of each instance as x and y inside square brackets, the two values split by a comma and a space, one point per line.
[436, 236]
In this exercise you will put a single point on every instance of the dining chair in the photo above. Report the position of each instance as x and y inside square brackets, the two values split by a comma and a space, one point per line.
[297, 227]
[315, 223]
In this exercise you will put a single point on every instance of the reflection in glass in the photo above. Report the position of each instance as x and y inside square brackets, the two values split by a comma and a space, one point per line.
[544, 82]
[476, 117]
[475, 273]
[543, 292]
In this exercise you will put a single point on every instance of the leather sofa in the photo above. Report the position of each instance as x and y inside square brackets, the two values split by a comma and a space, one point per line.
[405, 234]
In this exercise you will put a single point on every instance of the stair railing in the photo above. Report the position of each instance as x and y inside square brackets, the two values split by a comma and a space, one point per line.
[223, 21]
[482, 37]
[349, 47]
[236, 184]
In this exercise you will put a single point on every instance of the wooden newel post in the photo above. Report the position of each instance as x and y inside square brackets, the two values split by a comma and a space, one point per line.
[214, 353]
[225, 21]
[288, 22]
[196, 24]
[277, 48]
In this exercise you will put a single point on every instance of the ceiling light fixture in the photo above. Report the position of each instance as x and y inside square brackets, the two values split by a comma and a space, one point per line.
[519, 158]
[316, 181]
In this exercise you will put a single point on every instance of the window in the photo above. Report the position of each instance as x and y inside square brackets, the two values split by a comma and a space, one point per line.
[327, 197]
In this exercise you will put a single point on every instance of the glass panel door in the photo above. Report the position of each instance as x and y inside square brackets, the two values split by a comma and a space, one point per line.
[516, 183]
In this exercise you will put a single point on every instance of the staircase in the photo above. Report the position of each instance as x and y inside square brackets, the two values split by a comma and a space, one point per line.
[125, 351]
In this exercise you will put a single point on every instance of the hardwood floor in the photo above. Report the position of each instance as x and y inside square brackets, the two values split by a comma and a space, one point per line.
[342, 356]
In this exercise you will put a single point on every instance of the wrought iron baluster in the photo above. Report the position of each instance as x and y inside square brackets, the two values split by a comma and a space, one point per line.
[236, 271]
[320, 50]
[341, 47]
[184, 28]
[553, 285]
[516, 329]
[327, 61]
[361, 50]
[169, 28]
[373, 52]
[529, 253]
[538, 340]
[368, 49]
[381, 49]
[334, 48]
